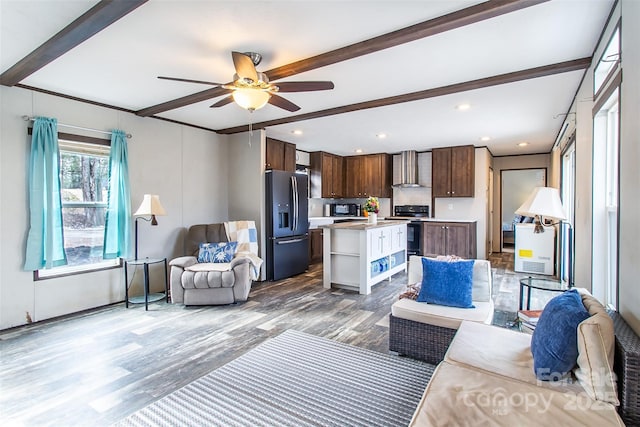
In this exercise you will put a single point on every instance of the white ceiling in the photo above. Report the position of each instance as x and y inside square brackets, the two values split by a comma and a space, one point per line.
[193, 39]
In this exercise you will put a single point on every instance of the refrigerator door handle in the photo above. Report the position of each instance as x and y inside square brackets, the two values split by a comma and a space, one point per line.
[295, 179]
[287, 242]
[294, 191]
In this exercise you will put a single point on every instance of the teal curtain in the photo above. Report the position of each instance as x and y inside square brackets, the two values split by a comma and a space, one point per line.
[45, 241]
[117, 230]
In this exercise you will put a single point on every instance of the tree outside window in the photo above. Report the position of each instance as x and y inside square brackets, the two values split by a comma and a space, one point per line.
[85, 186]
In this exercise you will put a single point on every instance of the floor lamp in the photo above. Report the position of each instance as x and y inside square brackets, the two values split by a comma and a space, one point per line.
[544, 202]
[150, 207]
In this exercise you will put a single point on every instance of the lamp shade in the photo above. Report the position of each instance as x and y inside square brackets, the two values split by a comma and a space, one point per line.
[150, 206]
[251, 98]
[544, 202]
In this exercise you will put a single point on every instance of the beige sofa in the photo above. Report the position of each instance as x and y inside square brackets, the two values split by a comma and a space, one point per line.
[487, 378]
[193, 283]
[413, 323]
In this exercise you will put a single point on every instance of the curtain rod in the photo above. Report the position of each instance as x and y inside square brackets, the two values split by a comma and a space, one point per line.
[27, 119]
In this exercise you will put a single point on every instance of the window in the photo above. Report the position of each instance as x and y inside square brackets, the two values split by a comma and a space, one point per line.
[567, 264]
[608, 63]
[84, 184]
[605, 200]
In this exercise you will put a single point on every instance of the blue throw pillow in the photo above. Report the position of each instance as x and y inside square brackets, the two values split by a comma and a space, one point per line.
[447, 283]
[217, 252]
[554, 344]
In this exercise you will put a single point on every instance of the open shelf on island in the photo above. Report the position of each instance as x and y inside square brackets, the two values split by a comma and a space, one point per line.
[359, 259]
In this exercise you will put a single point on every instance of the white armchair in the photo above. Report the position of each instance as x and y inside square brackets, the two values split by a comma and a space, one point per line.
[424, 331]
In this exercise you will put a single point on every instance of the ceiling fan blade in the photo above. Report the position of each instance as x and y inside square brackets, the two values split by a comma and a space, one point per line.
[280, 102]
[244, 66]
[303, 86]
[224, 101]
[177, 79]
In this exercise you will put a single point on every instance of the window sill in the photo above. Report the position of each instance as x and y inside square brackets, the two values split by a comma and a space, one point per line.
[63, 271]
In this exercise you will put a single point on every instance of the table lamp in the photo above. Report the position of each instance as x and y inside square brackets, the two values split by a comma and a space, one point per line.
[151, 207]
[544, 202]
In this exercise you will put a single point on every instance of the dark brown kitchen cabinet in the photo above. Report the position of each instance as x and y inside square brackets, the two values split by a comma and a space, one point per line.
[449, 238]
[290, 157]
[326, 175]
[353, 167]
[378, 175]
[280, 155]
[453, 171]
[368, 175]
[315, 245]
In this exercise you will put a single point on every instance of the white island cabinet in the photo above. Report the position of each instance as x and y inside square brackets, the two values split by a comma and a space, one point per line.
[357, 255]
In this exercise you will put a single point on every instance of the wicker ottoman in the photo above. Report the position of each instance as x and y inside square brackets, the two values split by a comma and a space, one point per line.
[418, 340]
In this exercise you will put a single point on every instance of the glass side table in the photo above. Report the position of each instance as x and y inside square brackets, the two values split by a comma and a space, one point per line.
[147, 298]
[539, 283]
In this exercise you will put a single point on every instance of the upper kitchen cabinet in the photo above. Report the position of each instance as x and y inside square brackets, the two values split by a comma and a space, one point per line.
[353, 166]
[368, 175]
[326, 175]
[453, 171]
[281, 155]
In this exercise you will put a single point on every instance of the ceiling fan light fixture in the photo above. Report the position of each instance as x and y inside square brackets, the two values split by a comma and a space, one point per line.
[251, 99]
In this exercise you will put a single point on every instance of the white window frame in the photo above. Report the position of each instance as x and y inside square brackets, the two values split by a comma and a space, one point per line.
[81, 145]
[568, 180]
[606, 125]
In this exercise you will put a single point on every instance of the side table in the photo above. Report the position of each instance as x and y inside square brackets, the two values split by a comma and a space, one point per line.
[539, 283]
[145, 262]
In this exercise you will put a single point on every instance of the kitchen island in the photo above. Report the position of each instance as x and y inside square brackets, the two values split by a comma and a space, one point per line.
[358, 255]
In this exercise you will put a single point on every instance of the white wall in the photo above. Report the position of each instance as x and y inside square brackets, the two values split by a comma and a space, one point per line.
[471, 208]
[629, 271]
[187, 167]
[246, 184]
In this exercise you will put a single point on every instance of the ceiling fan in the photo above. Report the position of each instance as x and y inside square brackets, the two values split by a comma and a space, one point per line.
[252, 90]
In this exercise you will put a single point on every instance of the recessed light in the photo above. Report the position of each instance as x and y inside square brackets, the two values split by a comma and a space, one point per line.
[296, 132]
[463, 107]
[358, 150]
[485, 138]
[523, 144]
[381, 135]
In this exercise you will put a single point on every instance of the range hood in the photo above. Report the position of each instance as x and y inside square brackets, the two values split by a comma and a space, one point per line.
[408, 170]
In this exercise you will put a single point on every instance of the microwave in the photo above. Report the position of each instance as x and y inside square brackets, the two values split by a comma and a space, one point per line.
[344, 209]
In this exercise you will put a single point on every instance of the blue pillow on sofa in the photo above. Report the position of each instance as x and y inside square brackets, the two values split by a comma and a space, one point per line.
[554, 344]
[217, 252]
[447, 283]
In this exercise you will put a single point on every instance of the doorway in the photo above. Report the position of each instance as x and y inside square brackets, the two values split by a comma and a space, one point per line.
[516, 186]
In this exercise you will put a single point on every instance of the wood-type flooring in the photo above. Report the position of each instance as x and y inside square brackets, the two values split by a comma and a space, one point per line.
[96, 367]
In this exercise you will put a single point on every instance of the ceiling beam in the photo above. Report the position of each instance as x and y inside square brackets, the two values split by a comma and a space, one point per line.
[441, 24]
[182, 102]
[90, 23]
[531, 73]
[451, 21]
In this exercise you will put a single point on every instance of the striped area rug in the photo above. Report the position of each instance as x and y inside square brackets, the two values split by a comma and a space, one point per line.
[296, 379]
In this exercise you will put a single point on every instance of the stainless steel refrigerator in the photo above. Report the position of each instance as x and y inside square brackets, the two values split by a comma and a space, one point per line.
[287, 224]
